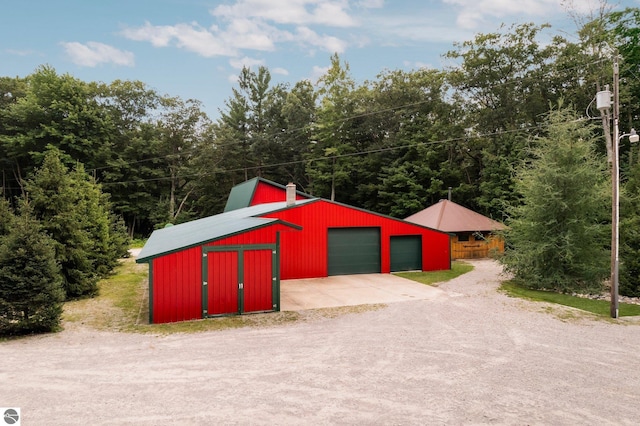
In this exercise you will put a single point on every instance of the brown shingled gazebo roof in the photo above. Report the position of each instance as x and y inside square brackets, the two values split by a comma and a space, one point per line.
[451, 217]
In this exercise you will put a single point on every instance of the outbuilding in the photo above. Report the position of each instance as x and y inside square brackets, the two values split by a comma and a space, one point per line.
[473, 235]
[232, 263]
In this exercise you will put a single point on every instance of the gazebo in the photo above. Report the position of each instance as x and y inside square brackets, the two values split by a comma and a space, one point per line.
[474, 235]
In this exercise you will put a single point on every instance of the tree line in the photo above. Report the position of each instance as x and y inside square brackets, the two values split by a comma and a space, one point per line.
[394, 144]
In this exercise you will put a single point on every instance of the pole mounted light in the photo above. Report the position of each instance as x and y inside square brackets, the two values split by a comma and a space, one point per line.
[604, 100]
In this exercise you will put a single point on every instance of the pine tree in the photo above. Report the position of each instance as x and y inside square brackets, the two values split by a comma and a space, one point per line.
[557, 236]
[630, 236]
[31, 293]
[62, 211]
[107, 236]
[6, 217]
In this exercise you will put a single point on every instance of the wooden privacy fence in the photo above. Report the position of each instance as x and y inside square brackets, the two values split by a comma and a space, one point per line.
[476, 249]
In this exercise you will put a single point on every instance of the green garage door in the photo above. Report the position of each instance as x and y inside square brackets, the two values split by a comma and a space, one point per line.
[354, 251]
[406, 253]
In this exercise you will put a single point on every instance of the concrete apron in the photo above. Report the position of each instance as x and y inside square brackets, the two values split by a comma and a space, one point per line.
[351, 290]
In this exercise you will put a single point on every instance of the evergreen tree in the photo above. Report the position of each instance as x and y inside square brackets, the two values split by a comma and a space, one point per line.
[60, 205]
[107, 235]
[6, 218]
[331, 177]
[31, 291]
[630, 236]
[557, 237]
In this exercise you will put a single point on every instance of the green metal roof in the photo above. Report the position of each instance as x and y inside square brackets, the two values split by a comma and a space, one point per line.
[241, 195]
[201, 231]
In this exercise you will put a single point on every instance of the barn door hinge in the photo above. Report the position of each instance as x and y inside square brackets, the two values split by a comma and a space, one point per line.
[273, 279]
[204, 283]
[204, 313]
[204, 254]
[240, 286]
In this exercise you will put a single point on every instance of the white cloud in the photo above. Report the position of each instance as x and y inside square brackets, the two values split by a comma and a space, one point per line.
[333, 13]
[191, 37]
[371, 4]
[260, 25]
[159, 36]
[20, 52]
[330, 44]
[93, 53]
[240, 63]
[280, 71]
[398, 29]
[584, 7]
[318, 72]
[255, 35]
[472, 13]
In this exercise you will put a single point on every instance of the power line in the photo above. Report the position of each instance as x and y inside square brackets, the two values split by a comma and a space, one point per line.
[291, 131]
[287, 132]
[326, 158]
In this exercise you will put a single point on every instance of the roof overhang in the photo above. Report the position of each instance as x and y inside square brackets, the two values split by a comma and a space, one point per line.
[174, 239]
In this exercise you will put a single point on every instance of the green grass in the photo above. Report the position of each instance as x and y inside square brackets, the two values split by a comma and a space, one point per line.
[119, 303]
[434, 277]
[137, 243]
[598, 307]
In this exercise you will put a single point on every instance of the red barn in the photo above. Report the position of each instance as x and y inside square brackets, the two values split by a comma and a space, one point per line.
[233, 262]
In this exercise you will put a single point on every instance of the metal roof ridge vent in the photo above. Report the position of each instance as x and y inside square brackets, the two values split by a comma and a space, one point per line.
[291, 194]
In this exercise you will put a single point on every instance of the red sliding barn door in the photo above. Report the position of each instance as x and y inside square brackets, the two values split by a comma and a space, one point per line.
[258, 281]
[222, 284]
[240, 279]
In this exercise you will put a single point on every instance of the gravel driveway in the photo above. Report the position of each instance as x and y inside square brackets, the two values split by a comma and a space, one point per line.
[473, 356]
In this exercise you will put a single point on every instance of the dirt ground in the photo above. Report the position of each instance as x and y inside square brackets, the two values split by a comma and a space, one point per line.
[473, 356]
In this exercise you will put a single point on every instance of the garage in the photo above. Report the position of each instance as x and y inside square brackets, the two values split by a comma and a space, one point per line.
[353, 251]
[406, 253]
[232, 263]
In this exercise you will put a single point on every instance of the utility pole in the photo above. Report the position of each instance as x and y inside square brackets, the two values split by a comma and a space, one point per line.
[615, 190]
[604, 103]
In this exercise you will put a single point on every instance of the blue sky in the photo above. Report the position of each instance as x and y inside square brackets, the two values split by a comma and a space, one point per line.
[196, 48]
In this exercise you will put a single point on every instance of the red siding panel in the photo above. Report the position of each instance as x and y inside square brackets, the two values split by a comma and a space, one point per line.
[266, 235]
[222, 268]
[304, 253]
[266, 193]
[258, 280]
[177, 286]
